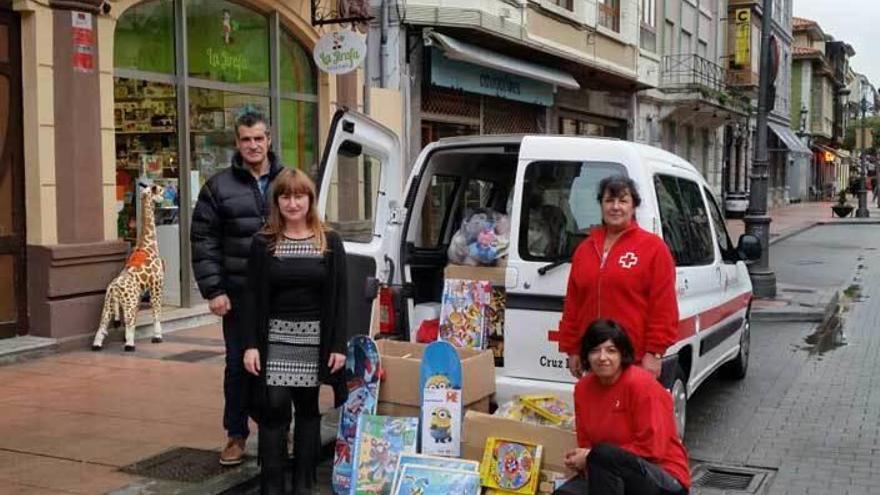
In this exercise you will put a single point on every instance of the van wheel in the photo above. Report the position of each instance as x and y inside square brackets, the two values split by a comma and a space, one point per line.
[679, 400]
[736, 369]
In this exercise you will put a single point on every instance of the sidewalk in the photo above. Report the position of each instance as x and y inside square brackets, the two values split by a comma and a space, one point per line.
[795, 303]
[70, 421]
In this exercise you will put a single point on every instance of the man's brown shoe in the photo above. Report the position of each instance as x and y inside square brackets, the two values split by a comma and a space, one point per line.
[234, 452]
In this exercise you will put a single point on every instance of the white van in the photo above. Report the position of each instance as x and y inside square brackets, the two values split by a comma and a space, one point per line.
[547, 185]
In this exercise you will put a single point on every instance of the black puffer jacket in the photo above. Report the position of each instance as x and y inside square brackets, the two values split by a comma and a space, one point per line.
[229, 212]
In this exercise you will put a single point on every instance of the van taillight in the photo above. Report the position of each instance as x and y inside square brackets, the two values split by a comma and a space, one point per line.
[387, 314]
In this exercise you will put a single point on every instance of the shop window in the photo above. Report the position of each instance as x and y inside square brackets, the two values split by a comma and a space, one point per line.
[297, 72]
[144, 38]
[354, 190]
[560, 207]
[227, 42]
[299, 123]
[212, 128]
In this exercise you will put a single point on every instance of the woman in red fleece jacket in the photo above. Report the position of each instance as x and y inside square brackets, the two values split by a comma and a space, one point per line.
[626, 429]
[624, 273]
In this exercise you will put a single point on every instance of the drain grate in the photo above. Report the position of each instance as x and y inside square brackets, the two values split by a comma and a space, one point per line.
[738, 479]
[180, 464]
[192, 356]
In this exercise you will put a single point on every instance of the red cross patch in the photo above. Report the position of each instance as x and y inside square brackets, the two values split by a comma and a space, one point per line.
[628, 260]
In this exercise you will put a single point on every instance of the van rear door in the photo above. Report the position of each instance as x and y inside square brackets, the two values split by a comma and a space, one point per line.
[359, 196]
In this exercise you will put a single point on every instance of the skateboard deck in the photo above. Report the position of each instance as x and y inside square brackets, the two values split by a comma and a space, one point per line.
[362, 380]
[440, 385]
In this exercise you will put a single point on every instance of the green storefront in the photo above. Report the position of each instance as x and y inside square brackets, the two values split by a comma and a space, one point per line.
[184, 70]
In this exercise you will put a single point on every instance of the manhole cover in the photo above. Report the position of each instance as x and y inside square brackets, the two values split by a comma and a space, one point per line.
[739, 479]
[180, 464]
[192, 356]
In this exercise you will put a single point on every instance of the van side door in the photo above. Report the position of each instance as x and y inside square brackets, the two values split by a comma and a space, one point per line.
[359, 196]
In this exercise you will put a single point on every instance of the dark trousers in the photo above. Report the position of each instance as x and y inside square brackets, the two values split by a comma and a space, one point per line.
[614, 471]
[235, 383]
[306, 439]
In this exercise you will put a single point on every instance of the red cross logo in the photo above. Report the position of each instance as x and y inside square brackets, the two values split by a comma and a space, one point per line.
[628, 260]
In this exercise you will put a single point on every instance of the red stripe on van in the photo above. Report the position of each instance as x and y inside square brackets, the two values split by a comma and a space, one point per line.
[687, 327]
[711, 317]
[553, 336]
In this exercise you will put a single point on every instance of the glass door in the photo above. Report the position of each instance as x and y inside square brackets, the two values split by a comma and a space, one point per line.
[13, 306]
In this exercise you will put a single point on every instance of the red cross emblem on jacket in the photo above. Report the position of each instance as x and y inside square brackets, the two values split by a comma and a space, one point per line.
[628, 260]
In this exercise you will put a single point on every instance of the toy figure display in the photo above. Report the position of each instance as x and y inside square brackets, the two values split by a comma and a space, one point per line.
[494, 314]
[379, 442]
[440, 381]
[511, 466]
[430, 480]
[433, 461]
[481, 240]
[463, 321]
[362, 378]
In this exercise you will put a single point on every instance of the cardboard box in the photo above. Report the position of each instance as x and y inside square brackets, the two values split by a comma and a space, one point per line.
[477, 427]
[494, 274]
[402, 364]
[392, 409]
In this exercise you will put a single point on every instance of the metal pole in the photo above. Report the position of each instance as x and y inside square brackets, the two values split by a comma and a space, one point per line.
[863, 212]
[756, 219]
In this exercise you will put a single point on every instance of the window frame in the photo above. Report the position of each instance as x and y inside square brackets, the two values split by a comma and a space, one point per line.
[608, 14]
[687, 226]
[728, 256]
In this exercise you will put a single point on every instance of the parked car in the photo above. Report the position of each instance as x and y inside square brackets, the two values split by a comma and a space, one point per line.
[412, 226]
[736, 204]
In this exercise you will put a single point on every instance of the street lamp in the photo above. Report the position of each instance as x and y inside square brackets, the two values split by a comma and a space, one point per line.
[756, 219]
[863, 212]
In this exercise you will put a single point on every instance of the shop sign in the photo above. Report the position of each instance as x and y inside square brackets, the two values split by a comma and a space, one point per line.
[742, 56]
[340, 52]
[83, 35]
[485, 81]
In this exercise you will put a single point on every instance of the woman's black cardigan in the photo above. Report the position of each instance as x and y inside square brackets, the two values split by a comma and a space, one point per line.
[255, 324]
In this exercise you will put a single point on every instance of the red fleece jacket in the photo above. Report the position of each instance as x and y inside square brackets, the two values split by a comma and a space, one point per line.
[635, 414]
[635, 287]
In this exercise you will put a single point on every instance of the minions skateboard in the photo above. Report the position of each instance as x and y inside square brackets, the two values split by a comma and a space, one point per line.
[441, 387]
[362, 380]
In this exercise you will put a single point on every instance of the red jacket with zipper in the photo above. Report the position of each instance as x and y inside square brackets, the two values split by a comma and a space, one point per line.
[634, 286]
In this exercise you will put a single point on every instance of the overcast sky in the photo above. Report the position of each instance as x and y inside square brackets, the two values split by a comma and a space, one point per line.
[852, 21]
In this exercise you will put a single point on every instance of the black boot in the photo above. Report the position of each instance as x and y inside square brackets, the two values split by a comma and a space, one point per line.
[306, 449]
[273, 459]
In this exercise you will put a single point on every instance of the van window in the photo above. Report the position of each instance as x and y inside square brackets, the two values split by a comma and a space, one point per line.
[560, 207]
[354, 189]
[685, 221]
[728, 253]
[436, 209]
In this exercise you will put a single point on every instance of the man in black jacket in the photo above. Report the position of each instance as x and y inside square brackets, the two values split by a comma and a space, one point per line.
[232, 207]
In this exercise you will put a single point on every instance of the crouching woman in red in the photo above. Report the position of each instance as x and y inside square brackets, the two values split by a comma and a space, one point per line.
[625, 425]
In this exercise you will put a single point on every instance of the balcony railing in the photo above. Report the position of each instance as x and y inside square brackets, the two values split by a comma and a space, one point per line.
[689, 72]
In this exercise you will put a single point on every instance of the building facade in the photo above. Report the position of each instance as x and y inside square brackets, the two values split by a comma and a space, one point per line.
[567, 66]
[116, 92]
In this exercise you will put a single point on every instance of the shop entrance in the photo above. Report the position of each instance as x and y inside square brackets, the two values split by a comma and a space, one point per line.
[13, 306]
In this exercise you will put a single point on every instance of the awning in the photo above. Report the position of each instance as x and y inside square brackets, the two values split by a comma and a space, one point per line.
[789, 138]
[465, 52]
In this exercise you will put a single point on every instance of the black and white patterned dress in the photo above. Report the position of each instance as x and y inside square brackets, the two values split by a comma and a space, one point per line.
[296, 275]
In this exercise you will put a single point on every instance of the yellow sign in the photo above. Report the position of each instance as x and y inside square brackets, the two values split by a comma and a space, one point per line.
[829, 156]
[742, 56]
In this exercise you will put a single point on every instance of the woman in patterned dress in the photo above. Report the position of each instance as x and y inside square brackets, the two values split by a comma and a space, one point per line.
[295, 339]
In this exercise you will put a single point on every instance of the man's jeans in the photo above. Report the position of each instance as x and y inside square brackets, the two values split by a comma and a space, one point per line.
[235, 418]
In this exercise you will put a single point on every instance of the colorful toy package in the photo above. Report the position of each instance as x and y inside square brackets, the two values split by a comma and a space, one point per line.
[441, 412]
[431, 480]
[463, 321]
[511, 465]
[434, 461]
[380, 441]
[550, 407]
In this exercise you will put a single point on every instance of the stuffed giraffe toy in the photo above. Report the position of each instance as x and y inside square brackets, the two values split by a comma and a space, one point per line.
[144, 270]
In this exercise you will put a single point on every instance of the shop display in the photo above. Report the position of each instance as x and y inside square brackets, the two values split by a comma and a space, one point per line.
[430, 480]
[362, 379]
[511, 465]
[379, 442]
[440, 380]
[481, 240]
[144, 271]
[463, 321]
